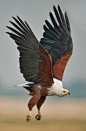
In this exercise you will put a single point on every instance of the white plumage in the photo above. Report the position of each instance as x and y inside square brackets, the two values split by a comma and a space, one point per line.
[57, 89]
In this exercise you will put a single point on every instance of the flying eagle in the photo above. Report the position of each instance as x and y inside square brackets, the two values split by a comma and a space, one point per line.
[43, 63]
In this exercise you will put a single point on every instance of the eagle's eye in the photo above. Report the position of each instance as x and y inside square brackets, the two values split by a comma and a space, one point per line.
[63, 91]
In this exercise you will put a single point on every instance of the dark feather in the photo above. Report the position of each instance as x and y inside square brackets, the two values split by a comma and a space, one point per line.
[57, 16]
[67, 21]
[53, 21]
[61, 15]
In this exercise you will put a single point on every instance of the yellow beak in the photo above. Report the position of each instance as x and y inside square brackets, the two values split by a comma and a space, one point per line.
[67, 92]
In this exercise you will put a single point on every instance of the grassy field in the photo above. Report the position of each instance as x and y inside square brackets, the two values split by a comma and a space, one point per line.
[47, 125]
[60, 115]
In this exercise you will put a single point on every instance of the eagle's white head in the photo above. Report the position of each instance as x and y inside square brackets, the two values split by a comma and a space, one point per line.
[64, 92]
[57, 89]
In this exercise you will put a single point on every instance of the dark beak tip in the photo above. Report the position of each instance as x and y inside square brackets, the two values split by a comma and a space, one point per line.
[69, 93]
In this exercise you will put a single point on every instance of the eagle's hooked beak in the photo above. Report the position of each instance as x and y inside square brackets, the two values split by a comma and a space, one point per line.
[66, 92]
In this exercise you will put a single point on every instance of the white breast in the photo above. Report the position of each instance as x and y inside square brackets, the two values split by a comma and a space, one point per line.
[56, 88]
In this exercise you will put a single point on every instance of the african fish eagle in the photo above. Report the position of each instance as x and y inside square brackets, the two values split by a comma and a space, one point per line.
[42, 63]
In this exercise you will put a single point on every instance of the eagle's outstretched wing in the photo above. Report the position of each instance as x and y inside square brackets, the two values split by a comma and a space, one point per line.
[35, 63]
[58, 42]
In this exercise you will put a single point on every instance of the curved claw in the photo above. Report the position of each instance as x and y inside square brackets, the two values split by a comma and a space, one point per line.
[28, 118]
[38, 117]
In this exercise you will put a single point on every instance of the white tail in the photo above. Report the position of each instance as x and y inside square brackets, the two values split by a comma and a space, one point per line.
[25, 84]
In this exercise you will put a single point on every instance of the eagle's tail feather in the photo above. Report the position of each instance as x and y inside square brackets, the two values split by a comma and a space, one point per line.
[25, 84]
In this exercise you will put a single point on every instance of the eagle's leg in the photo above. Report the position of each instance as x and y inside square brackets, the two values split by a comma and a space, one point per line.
[33, 101]
[39, 104]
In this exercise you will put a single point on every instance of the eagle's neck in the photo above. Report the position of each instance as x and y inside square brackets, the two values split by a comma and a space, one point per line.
[56, 88]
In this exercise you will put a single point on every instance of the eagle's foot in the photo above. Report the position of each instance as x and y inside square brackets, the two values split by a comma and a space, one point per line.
[38, 117]
[28, 118]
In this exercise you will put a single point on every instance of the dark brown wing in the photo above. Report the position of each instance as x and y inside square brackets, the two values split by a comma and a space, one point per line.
[58, 42]
[33, 57]
[45, 69]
